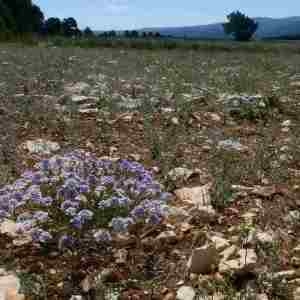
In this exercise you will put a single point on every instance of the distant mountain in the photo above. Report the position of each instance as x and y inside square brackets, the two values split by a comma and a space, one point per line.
[268, 28]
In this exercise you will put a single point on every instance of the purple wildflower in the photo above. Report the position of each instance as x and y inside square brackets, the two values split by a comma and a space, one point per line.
[103, 236]
[41, 236]
[46, 201]
[65, 241]
[86, 214]
[121, 224]
[25, 226]
[77, 222]
[41, 216]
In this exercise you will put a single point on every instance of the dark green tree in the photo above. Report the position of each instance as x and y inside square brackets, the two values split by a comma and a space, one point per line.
[88, 32]
[21, 16]
[134, 34]
[21, 11]
[69, 27]
[112, 33]
[53, 26]
[8, 22]
[37, 18]
[240, 26]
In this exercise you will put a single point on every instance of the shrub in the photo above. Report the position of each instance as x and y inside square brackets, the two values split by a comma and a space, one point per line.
[240, 26]
[78, 197]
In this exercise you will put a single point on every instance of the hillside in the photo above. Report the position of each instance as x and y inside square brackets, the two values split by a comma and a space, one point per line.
[268, 27]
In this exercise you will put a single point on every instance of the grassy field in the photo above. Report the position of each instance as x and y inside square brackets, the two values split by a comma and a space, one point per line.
[231, 116]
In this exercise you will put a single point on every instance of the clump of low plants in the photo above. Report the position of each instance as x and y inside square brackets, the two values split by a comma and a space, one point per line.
[79, 198]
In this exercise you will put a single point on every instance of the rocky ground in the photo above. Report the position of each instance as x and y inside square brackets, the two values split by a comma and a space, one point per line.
[219, 130]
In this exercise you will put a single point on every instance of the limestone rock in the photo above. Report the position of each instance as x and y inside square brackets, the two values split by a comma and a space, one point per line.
[77, 88]
[121, 256]
[265, 237]
[198, 196]
[186, 293]
[286, 123]
[220, 243]
[9, 287]
[9, 227]
[246, 262]
[287, 274]
[79, 99]
[180, 174]
[88, 111]
[228, 253]
[203, 260]
[296, 293]
[175, 121]
[76, 297]
[261, 297]
[167, 237]
[40, 146]
[264, 191]
[232, 145]
[215, 117]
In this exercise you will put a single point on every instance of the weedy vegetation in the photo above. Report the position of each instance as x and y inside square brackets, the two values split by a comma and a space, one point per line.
[124, 116]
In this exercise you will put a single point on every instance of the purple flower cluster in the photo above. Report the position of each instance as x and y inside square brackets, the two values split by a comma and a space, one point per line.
[65, 195]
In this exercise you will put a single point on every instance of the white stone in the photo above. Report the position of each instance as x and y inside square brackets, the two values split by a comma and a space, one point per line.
[186, 293]
[167, 236]
[80, 99]
[295, 84]
[286, 123]
[261, 297]
[9, 227]
[9, 287]
[228, 253]
[264, 191]
[76, 297]
[180, 174]
[215, 117]
[285, 129]
[175, 121]
[246, 262]
[121, 256]
[42, 147]
[265, 237]
[203, 260]
[86, 111]
[296, 293]
[287, 274]
[198, 196]
[77, 88]
[232, 145]
[220, 243]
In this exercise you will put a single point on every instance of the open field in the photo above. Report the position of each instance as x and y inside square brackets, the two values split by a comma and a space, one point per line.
[226, 121]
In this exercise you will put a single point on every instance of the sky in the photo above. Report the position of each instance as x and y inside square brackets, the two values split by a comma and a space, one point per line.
[136, 14]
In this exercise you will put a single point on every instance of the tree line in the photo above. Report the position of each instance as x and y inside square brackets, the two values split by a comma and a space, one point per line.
[19, 17]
